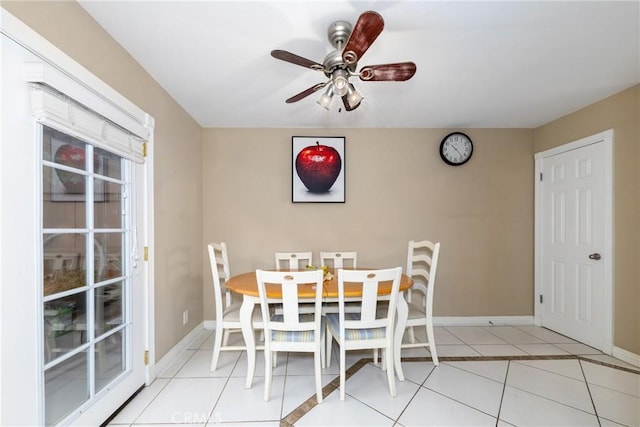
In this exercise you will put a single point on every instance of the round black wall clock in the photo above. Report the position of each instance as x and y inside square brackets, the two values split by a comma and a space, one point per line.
[456, 149]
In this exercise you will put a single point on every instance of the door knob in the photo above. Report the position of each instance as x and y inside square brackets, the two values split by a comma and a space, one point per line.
[595, 256]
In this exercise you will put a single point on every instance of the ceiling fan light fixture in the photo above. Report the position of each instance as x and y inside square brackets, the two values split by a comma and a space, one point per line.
[327, 97]
[340, 82]
[354, 98]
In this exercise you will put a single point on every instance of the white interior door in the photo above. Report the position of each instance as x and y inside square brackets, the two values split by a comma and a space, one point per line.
[574, 240]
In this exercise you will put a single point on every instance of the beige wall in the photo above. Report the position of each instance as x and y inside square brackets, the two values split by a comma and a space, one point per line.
[620, 112]
[177, 150]
[397, 189]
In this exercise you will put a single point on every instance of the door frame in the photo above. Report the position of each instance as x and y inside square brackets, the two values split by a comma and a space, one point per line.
[606, 138]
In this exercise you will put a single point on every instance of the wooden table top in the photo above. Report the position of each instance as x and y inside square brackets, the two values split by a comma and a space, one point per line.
[246, 284]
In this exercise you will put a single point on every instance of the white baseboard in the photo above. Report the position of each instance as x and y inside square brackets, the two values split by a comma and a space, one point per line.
[175, 351]
[626, 356]
[482, 320]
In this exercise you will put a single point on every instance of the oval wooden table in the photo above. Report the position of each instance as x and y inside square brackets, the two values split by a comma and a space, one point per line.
[247, 285]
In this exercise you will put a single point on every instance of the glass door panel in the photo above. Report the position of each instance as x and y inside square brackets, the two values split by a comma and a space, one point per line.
[66, 387]
[64, 266]
[65, 326]
[86, 331]
[110, 359]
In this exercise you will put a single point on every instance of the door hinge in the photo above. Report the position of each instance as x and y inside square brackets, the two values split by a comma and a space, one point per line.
[145, 254]
[144, 149]
[540, 176]
[540, 298]
[146, 358]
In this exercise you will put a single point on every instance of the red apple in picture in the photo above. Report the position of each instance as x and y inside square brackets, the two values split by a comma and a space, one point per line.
[318, 167]
[70, 155]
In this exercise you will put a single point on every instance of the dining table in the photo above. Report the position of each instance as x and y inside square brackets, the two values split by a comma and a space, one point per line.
[246, 284]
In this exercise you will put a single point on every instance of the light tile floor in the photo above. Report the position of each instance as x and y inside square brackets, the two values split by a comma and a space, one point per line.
[495, 376]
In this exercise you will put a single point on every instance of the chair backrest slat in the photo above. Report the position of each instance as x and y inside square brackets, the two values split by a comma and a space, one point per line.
[422, 263]
[290, 312]
[219, 263]
[293, 260]
[339, 259]
[369, 301]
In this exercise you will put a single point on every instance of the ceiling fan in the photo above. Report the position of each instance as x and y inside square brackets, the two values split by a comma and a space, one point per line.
[339, 65]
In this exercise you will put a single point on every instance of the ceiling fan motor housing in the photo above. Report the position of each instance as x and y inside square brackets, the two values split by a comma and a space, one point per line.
[339, 33]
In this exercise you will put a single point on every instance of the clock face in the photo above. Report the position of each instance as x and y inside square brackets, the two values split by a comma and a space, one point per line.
[456, 149]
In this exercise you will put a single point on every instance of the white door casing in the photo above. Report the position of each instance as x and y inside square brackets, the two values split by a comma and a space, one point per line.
[574, 251]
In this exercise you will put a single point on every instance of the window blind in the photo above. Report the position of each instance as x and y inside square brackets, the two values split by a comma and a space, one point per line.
[55, 102]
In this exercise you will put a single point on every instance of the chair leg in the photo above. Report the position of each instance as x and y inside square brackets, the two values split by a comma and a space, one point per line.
[343, 368]
[328, 351]
[390, 375]
[412, 335]
[268, 372]
[323, 352]
[317, 362]
[217, 344]
[432, 343]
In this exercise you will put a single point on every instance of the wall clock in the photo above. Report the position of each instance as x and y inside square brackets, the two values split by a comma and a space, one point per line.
[456, 149]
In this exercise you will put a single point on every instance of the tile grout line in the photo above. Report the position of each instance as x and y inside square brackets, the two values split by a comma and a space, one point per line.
[586, 383]
[420, 386]
[504, 388]
[226, 383]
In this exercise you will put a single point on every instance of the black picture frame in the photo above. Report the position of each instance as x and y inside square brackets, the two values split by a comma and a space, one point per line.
[315, 160]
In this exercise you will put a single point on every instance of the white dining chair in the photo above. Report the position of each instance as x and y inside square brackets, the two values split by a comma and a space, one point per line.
[291, 331]
[422, 264]
[338, 260]
[227, 310]
[293, 260]
[366, 329]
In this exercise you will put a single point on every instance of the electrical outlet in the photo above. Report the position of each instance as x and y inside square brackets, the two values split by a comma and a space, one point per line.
[185, 317]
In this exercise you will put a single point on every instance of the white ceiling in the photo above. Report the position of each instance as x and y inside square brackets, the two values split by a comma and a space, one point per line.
[479, 64]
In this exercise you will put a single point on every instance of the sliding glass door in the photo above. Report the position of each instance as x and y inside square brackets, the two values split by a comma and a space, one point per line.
[87, 273]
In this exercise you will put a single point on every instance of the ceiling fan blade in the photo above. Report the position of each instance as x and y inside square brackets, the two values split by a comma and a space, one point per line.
[295, 59]
[366, 30]
[305, 93]
[388, 72]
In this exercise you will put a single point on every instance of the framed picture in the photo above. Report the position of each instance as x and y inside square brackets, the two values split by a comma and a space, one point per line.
[68, 186]
[318, 165]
